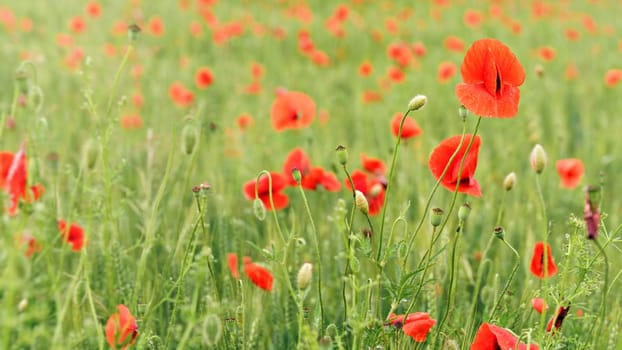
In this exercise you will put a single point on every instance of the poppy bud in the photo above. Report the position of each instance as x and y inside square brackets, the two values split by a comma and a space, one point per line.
[510, 181]
[212, 330]
[189, 137]
[436, 216]
[499, 232]
[259, 209]
[23, 304]
[463, 112]
[296, 175]
[361, 202]
[132, 32]
[538, 159]
[304, 276]
[21, 79]
[417, 102]
[342, 155]
[90, 154]
[463, 211]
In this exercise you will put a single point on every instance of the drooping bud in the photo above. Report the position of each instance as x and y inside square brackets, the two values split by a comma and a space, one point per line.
[21, 79]
[259, 209]
[342, 155]
[361, 202]
[297, 175]
[499, 232]
[304, 276]
[538, 159]
[464, 211]
[132, 32]
[417, 102]
[463, 112]
[510, 181]
[189, 138]
[436, 216]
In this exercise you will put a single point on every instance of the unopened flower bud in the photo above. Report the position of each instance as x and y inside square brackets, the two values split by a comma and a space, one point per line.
[189, 138]
[538, 159]
[342, 155]
[417, 102]
[304, 276]
[361, 202]
[22, 305]
[132, 32]
[464, 211]
[259, 209]
[499, 232]
[509, 181]
[463, 112]
[436, 216]
[90, 154]
[296, 175]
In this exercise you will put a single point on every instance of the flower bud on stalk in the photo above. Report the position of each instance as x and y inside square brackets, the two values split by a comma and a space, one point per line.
[510, 181]
[417, 102]
[304, 276]
[538, 159]
[361, 202]
[342, 155]
[436, 216]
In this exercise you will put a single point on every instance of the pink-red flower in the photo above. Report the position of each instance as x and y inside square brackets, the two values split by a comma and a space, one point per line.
[539, 305]
[292, 110]
[232, 263]
[121, 329]
[440, 159]
[72, 234]
[491, 337]
[259, 275]
[14, 179]
[416, 325]
[312, 176]
[279, 182]
[537, 266]
[491, 75]
[371, 187]
[410, 128]
[570, 172]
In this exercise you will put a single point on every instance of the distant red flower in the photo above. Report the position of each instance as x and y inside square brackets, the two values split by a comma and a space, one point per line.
[196, 29]
[370, 96]
[440, 158]
[537, 261]
[72, 234]
[320, 58]
[312, 176]
[419, 49]
[155, 26]
[14, 179]
[410, 128]
[32, 246]
[259, 275]
[296, 159]
[570, 172]
[121, 329]
[138, 99]
[557, 319]
[244, 121]
[93, 9]
[572, 34]
[365, 69]
[491, 75]
[453, 43]
[571, 72]
[131, 121]
[257, 70]
[400, 53]
[279, 182]
[180, 95]
[491, 337]
[473, 18]
[292, 110]
[232, 263]
[372, 165]
[396, 75]
[446, 71]
[203, 78]
[613, 77]
[371, 187]
[547, 53]
[416, 325]
[539, 305]
[77, 25]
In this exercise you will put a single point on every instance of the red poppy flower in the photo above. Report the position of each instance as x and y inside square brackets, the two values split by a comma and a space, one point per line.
[613, 77]
[557, 320]
[93, 9]
[232, 262]
[446, 71]
[73, 235]
[371, 187]
[491, 337]
[244, 121]
[409, 129]
[203, 78]
[473, 18]
[491, 75]
[121, 328]
[371, 96]
[373, 165]
[400, 53]
[570, 171]
[416, 325]
[259, 275]
[440, 158]
[180, 95]
[572, 34]
[320, 177]
[131, 121]
[296, 159]
[292, 110]
[14, 179]
[77, 25]
[453, 43]
[547, 53]
[155, 26]
[365, 69]
[396, 75]
[537, 261]
[419, 49]
[571, 72]
[279, 182]
[539, 305]
[32, 246]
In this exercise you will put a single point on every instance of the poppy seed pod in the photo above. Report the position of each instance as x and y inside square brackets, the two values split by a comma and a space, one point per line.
[417, 102]
[464, 211]
[538, 159]
[361, 202]
[297, 175]
[463, 112]
[342, 155]
[510, 181]
[304, 276]
[436, 216]
[499, 232]
[132, 32]
[189, 138]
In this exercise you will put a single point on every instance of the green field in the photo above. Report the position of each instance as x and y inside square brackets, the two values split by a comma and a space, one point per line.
[150, 139]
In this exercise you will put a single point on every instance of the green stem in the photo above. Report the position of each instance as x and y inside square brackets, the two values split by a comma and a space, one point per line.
[347, 271]
[601, 318]
[507, 284]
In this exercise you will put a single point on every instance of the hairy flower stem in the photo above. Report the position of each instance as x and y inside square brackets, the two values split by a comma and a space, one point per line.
[425, 271]
[319, 257]
[348, 241]
[601, 318]
[507, 284]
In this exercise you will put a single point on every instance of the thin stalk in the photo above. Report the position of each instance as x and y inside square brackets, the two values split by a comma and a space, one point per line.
[507, 284]
[346, 272]
[601, 318]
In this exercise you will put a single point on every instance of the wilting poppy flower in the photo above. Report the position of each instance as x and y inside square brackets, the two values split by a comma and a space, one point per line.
[232, 263]
[557, 320]
[491, 337]
[279, 182]
[539, 305]
[591, 214]
[14, 179]
[371, 187]
[259, 275]
[537, 261]
[440, 158]
[72, 234]
[416, 325]
[491, 75]
[203, 78]
[292, 110]
[121, 328]
[409, 129]
[446, 71]
[570, 171]
[613, 77]
[32, 246]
